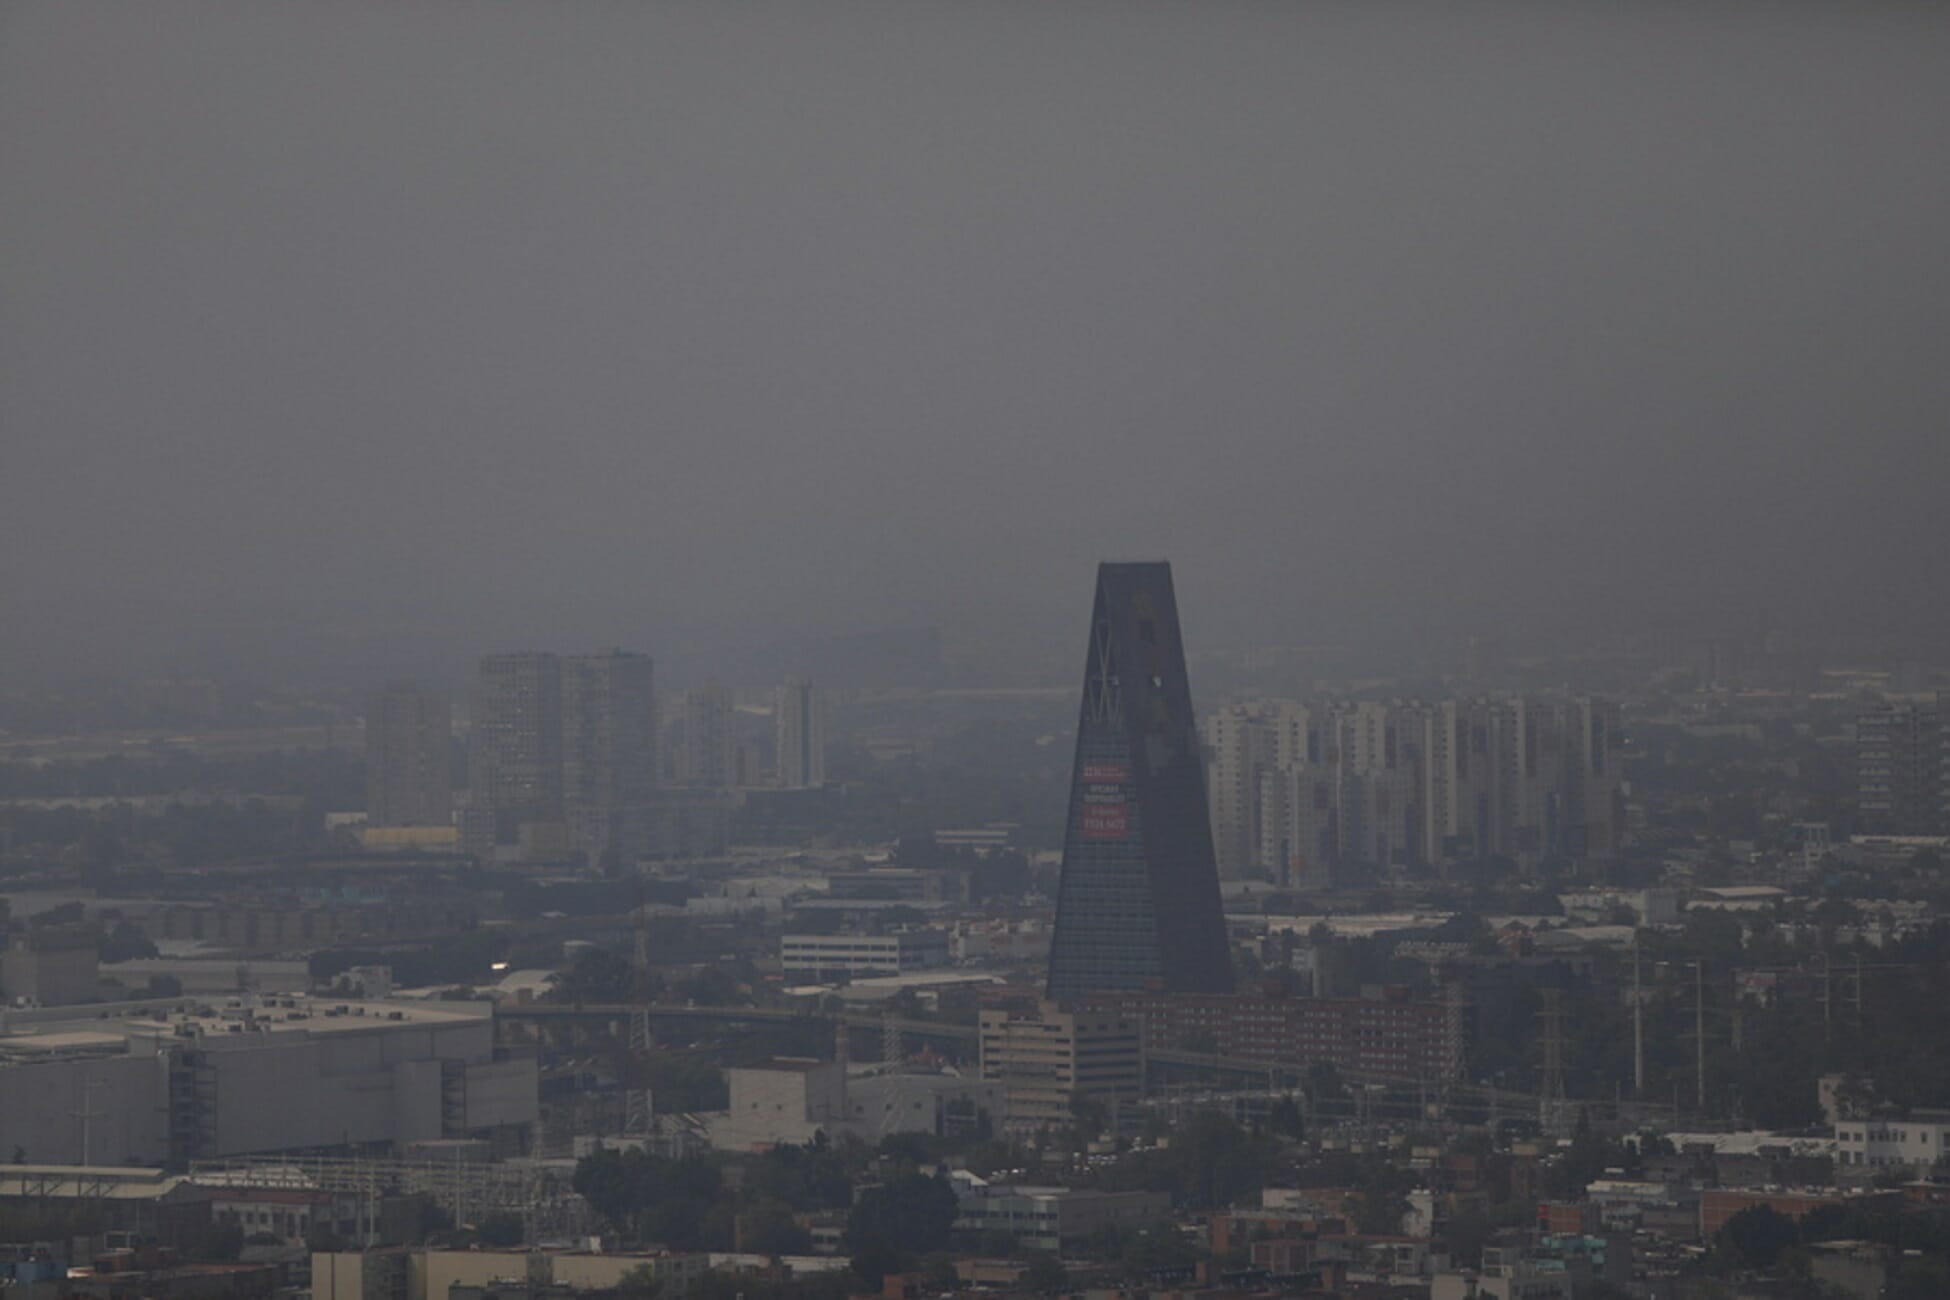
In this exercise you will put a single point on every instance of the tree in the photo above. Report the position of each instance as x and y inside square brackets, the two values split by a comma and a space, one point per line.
[1925, 1277]
[598, 976]
[640, 1283]
[1757, 1236]
[1324, 1081]
[903, 1218]
[768, 1228]
[126, 942]
[221, 1242]
[1045, 1275]
[502, 1228]
[1285, 1119]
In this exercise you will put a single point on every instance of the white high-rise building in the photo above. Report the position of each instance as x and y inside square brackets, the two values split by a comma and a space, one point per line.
[799, 716]
[1239, 746]
[1296, 789]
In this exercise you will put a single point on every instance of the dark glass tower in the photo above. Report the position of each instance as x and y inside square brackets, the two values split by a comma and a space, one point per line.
[1138, 903]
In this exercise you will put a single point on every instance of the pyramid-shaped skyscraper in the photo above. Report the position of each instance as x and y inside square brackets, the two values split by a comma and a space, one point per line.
[1138, 904]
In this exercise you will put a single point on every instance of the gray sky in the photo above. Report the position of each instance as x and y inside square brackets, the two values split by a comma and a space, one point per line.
[380, 327]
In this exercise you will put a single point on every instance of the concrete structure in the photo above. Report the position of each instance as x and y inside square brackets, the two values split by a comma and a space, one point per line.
[409, 761]
[203, 976]
[258, 1075]
[1900, 768]
[1507, 1274]
[799, 716]
[52, 966]
[1385, 1035]
[1918, 1143]
[433, 1274]
[514, 749]
[1050, 1218]
[1050, 1062]
[825, 956]
[1297, 789]
[880, 1105]
[792, 1099]
[710, 754]
[788, 1099]
[609, 754]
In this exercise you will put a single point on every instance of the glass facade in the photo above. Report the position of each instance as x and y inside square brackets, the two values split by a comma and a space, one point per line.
[1138, 903]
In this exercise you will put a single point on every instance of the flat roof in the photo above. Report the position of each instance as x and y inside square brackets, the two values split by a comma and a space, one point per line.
[80, 1028]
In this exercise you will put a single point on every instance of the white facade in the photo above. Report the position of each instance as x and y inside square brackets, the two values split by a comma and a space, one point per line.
[1893, 1143]
[273, 1075]
[818, 956]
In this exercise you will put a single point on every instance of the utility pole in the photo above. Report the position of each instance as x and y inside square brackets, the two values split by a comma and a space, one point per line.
[638, 1104]
[1827, 1001]
[1699, 1035]
[86, 1114]
[1638, 1027]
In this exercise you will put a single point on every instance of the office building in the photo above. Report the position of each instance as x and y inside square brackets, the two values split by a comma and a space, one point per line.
[1900, 768]
[800, 718]
[564, 757]
[1919, 1143]
[609, 753]
[52, 966]
[1386, 1036]
[1051, 1218]
[409, 766]
[514, 750]
[1375, 785]
[828, 956]
[1049, 1062]
[710, 753]
[1138, 897]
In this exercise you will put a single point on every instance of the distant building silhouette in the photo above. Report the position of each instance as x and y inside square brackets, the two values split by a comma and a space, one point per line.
[609, 752]
[514, 749]
[800, 718]
[710, 753]
[409, 764]
[1902, 768]
[562, 754]
[1302, 789]
[1138, 903]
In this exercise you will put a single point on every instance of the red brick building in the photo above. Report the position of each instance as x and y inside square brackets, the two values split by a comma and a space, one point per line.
[1719, 1205]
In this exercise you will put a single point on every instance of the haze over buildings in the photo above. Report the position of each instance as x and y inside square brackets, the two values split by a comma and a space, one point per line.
[767, 320]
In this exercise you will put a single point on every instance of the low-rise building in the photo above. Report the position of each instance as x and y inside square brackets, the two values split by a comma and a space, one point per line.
[1919, 1142]
[1385, 1034]
[1050, 1218]
[192, 1080]
[825, 956]
[434, 1274]
[1049, 1062]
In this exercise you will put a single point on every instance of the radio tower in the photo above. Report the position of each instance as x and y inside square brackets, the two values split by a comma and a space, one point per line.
[637, 1102]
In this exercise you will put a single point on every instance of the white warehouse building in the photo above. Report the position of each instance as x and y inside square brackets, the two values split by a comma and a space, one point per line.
[156, 1084]
[824, 956]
